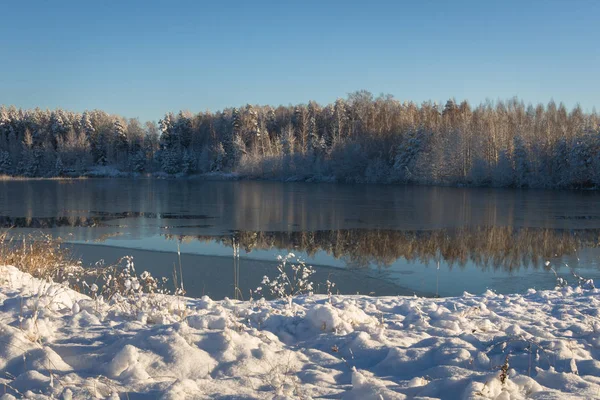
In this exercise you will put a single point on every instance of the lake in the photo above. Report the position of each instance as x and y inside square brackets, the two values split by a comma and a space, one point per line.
[369, 239]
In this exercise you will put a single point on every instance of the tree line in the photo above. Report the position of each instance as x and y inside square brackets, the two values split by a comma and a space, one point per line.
[359, 139]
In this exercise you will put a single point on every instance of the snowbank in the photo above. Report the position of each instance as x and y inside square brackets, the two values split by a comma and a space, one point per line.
[58, 343]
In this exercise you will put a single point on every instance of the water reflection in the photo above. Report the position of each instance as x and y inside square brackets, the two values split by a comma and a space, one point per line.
[469, 231]
[95, 219]
[274, 206]
[496, 247]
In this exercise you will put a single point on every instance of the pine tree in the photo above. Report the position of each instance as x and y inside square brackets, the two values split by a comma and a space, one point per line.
[170, 161]
[86, 124]
[271, 121]
[5, 124]
[301, 126]
[167, 134]
[89, 132]
[187, 165]
[288, 141]
[58, 167]
[340, 120]
[581, 162]
[184, 130]
[57, 125]
[204, 160]
[218, 158]
[237, 146]
[522, 169]
[138, 161]
[120, 136]
[5, 162]
[560, 164]
[239, 150]
[314, 143]
[503, 174]
[29, 163]
[407, 155]
[236, 122]
[313, 127]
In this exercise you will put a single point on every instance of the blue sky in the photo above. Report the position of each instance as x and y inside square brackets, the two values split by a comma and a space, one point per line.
[143, 58]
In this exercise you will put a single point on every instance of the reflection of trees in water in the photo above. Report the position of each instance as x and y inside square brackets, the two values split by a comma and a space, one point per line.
[96, 219]
[50, 222]
[497, 247]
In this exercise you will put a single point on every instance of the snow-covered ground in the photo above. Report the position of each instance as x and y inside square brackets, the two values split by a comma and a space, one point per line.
[57, 343]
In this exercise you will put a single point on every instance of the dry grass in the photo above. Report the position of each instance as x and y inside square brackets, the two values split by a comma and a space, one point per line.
[40, 255]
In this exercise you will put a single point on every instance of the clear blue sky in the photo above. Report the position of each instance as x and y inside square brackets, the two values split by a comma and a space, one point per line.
[143, 58]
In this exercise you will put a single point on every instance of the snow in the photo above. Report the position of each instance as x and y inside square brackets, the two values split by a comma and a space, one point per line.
[105, 171]
[217, 176]
[57, 343]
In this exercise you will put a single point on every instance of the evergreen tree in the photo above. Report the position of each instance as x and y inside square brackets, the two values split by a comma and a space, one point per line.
[522, 169]
[170, 161]
[5, 163]
[218, 158]
[503, 174]
[58, 167]
[188, 165]
[340, 120]
[560, 164]
[138, 161]
[120, 136]
[581, 162]
[168, 136]
[184, 130]
[29, 163]
[407, 155]
[237, 146]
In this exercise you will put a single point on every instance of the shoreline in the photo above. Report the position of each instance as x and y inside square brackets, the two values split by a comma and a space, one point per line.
[198, 268]
[233, 176]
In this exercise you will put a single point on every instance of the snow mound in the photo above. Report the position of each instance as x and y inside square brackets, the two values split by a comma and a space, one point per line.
[344, 317]
[57, 343]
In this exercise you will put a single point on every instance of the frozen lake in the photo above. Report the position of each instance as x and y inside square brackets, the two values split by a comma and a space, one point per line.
[374, 239]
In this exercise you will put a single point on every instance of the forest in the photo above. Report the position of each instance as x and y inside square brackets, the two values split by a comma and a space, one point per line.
[359, 139]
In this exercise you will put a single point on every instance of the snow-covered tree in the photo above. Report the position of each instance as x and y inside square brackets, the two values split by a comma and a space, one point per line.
[138, 161]
[5, 162]
[218, 158]
[58, 167]
[29, 163]
[188, 164]
[355, 139]
[522, 168]
[170, 161]
[407, 155]
[581, 161]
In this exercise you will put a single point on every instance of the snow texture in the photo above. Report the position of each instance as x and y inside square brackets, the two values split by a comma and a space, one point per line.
[57, 343]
